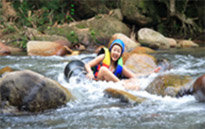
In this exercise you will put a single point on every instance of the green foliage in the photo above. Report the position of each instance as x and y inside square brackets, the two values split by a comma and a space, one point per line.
[8, 29]
[43, 12]
[98, 17]
[80, 26]
[22, 40]
[72, 37]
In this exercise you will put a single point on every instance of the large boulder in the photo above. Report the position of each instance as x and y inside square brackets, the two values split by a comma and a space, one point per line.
[129, 43]
[30, 91]
[137, 50]
[138, 12]
[153, 39]
[98, 29]
[141, 63]
[45, 48]
[169, 85]
[199, 88]
[123, 96]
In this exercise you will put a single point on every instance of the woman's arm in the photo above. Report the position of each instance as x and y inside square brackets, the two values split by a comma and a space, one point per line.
[93, 63]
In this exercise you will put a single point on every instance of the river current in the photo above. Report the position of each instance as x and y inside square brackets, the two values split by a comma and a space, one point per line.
[91, 109]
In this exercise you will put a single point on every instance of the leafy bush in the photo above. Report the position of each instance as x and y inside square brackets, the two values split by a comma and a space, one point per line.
[40, 13]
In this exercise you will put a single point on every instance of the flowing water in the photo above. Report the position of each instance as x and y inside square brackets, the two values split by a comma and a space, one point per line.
[91, 109]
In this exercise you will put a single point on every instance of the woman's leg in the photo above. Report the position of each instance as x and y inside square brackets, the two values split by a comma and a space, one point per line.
[105, 74]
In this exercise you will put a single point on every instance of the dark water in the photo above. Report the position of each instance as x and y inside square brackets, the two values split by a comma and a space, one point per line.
[92, 110]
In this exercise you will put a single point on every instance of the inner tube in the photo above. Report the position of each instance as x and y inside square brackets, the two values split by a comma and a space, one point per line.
[76, 68]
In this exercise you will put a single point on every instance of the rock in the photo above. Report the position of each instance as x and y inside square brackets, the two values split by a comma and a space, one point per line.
[30, 91]
[141, 63]
[136, 11]
[168, 85]
[91, 31]
[153, 39]
[5, 69]
[142, 50]
[116, 14]
[123, 96]
[129, 44]
[172, 42]
[4, 50]
[199, 88]
[45, 48]
[125, 56]
[15, 50]
[137, 50]
[186, 44]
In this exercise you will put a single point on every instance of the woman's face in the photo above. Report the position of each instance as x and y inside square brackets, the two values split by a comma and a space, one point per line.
[115, 52]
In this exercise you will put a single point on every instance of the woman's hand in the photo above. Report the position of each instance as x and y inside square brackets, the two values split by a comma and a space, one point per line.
[157, 69]
[90, 75]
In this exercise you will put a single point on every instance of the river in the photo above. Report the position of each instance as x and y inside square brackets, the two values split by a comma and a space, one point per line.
[91, 109]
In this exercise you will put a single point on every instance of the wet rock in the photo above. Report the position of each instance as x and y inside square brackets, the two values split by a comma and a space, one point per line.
[30, 91]
[153, 39]
[139, 50]
[45, 48]
[123, 96]
[129, 43]
[141, 63]
[199, 88]
[4, 70]
[168, 85]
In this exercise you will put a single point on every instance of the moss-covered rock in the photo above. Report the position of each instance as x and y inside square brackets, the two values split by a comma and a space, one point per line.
[140, 12]
[168, 85]
[92, 30]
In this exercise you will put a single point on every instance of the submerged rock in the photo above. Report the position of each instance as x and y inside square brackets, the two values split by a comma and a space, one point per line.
[169, 85]
[123, 96]
[199, 88]
[30, 91]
